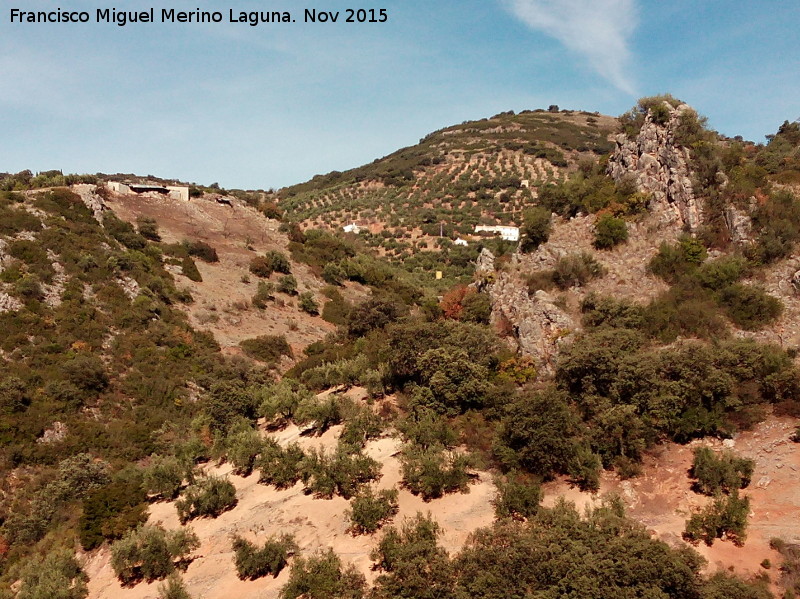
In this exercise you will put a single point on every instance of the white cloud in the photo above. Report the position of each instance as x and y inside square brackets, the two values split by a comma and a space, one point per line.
[599, 30]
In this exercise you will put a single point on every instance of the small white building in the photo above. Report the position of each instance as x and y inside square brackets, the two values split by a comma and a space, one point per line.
[173, 191]
[506, 233]
[352, 228]
[460, 241]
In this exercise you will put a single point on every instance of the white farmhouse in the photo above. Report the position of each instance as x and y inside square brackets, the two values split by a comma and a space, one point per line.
[173, 191]
[506, 233]
[352, 228]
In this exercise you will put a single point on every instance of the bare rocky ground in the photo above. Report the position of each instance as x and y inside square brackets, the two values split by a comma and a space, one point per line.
[662, 498]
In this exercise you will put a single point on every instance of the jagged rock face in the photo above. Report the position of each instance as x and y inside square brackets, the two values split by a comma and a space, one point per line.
[55, 434]
[9, 303]
[739, 225]
[539, 326]
[485, 263]
[660, 167]
[92, 201]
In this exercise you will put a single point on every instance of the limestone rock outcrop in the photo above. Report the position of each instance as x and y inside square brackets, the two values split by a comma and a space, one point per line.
[659, 166]
[485, 263]
[739, 225]
[539, 326]
[92, 201]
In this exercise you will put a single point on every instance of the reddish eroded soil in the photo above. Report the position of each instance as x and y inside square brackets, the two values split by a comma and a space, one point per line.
[662, 498]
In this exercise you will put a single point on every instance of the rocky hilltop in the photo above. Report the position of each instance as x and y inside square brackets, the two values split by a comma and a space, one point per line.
[658, 164]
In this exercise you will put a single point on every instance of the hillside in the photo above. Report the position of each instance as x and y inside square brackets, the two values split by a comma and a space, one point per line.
[480, 172]
[230, 396]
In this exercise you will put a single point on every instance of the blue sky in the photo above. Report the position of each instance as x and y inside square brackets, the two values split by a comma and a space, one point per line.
[272, 105]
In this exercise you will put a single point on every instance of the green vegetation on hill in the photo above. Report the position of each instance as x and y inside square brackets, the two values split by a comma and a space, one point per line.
[109, 400]
[427, 195]
[98, 362]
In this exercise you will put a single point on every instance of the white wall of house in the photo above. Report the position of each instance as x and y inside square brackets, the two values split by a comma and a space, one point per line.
[506, 233]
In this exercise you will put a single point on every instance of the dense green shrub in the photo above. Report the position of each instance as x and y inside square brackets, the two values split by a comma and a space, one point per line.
[190, 271]
[535, 229]
[477, 308]
[558, 553]
[433, 471]
[725, 516]
[412, 563]
[242, 445]
[278, 466]
[260, 267]
[621, 314]
[308, 304]
[150, 553]
[609, 231]
[228, 401]
[751, 308]
[374, 313]
[609, 369]
[254, 562]
[278, 262]
[674, 261]
[720, 473]
[209, 496]
[407, 342]
[718, 274]
[337, 310]
[725, 586]
[517, 497]
[111, 510]
[265, 292]
[341, 473]
[57, 575]
[148, 228]
[333, 274]
[164, 476]
[76, 477]
[541, 434]
[452, 382]
[322, 576]
[778, 224]
[173, 588]
[287, 284]
[200, 249]
[87, 373]
[684, 310]
[267, 348]
[369, 510]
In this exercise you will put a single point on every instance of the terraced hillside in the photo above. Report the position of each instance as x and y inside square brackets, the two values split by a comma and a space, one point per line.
[479, 172]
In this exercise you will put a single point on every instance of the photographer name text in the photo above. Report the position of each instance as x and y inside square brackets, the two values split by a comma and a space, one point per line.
[122, 18]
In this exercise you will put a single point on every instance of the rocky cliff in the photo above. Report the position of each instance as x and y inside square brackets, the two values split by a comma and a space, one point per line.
[659, 166]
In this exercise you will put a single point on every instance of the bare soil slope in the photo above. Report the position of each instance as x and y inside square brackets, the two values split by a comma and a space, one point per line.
[238, 232]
